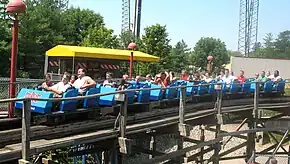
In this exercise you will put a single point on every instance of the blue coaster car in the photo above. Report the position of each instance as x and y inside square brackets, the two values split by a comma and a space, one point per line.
[69, 105]
[43, 107]
[202, 88]
[91, 102]
[144, 95]
[155, 95]
[170, 93]
[108, 100]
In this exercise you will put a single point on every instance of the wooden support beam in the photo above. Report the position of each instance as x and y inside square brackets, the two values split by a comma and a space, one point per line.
[273, 146]
[26, 117]
[196, 155]
[47, 161]
[217, 146]
[183, 131]
[22, 161]
[225, 132]
[202, 137]
[233, 149]
[152, 146]
[125, 145]
[179, 153]
[187, 139]
[274, 138]
[238, 128]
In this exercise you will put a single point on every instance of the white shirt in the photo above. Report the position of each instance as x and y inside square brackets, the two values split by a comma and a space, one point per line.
[227, 79]
[274, 79]
[79, 83]
[61, 86]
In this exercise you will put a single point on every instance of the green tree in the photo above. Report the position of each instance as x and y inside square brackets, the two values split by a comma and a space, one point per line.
[126, 37]
[5, 40]
[77, 23]
[210, 47]
[282, 43]
[269, 40]
[179, 56]
[155, 42]
[40, 30]
[101, 37]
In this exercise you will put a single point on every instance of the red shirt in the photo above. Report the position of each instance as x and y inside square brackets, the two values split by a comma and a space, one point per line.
[241, 79]
[184, 77]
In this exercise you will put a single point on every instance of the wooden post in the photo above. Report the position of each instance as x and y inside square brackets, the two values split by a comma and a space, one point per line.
[180, 139]
[26, 115]
[124, 147]
[219, 122]
[252, 124]
[289, 154]
[202, 138]
[152, 145]
[123, 117]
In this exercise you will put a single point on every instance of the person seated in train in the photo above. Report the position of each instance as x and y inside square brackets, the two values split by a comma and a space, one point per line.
[47, 83]
[183, 75]
[220, 76]
[256, 77]
[83, 82]
[61, 87]
[138, 79]
[123, 84]
[190, 76]
[276, 77]
[262, 78]
[126, 77]
[149, 78]
[207, 78]
[109, 81]
[241, 77]
[162, 79]
[227, 78]
[72, 79]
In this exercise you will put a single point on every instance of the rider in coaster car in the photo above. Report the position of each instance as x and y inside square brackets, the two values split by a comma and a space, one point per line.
[109, 82]
[47, 83]
[83, 82]
[61, 86]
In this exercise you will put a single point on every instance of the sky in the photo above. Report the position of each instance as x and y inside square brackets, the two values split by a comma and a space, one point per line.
[192, 19]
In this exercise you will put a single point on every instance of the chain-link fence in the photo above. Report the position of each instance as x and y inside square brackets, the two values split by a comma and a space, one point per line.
[21, 83]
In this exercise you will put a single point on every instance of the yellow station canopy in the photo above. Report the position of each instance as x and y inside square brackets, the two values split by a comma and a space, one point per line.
[100, 53]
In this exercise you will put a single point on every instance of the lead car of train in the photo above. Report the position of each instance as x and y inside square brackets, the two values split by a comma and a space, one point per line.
[170, 93]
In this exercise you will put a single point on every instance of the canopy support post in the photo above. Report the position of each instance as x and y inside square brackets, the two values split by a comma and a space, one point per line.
[45, 64]
[73, 65]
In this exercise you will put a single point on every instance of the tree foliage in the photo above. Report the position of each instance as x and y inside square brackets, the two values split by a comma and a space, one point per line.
[179, 57]
[210, 47]
[155, 42]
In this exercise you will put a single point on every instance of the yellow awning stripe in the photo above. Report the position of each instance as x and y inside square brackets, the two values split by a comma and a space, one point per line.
[100, 53]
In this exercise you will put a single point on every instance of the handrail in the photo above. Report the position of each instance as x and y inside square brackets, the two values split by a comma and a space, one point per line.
[108, 93]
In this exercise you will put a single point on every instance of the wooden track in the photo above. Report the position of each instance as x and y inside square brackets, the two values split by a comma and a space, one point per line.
[49, 137]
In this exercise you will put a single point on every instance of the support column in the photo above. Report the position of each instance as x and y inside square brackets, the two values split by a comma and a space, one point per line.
[202, 138]
[252, 124]
[219, 118]
[152, 145]
[124, 144]
[180, 139]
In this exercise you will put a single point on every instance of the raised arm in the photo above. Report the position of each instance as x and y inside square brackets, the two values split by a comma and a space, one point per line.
[89, 83]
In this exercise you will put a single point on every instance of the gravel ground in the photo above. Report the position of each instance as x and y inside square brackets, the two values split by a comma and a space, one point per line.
[167, 143]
